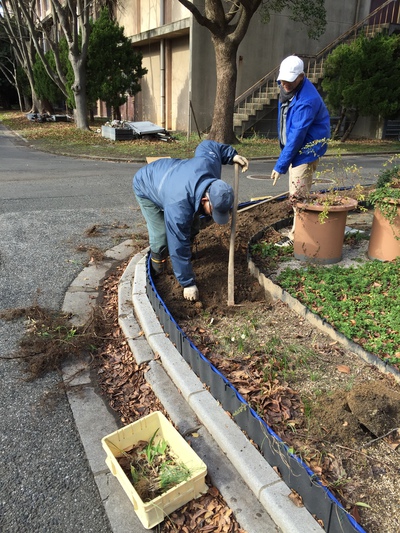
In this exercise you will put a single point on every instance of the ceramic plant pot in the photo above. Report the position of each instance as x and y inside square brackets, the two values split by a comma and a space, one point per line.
[384, 243]
[316, 242]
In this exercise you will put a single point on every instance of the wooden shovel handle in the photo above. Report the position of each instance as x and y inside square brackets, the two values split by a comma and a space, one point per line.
[231, 262]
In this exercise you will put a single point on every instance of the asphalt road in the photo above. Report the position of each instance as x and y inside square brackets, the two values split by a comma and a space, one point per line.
[47, 203]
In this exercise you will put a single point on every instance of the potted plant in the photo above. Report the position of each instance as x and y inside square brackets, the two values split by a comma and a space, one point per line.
[384, 243]
[320, 224]
[320, 217]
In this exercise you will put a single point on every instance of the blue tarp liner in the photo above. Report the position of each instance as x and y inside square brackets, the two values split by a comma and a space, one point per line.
[318, 500]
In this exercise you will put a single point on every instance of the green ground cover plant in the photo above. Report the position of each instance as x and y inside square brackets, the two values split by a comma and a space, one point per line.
[362, 302]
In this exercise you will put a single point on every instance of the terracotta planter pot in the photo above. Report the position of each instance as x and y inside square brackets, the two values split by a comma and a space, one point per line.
[384, 243]
[321, 243]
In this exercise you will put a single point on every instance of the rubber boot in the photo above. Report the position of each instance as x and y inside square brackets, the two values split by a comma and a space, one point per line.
[159, 261]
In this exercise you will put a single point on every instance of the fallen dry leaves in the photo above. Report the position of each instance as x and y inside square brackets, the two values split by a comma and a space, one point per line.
[123, 383]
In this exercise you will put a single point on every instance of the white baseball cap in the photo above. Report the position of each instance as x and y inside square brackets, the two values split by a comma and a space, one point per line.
[290, 68]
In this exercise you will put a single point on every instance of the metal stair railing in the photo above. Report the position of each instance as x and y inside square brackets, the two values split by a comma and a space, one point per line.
[264, 90]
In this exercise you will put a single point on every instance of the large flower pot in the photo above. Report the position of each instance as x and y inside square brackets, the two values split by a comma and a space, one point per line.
[384, 243]
[321, 242]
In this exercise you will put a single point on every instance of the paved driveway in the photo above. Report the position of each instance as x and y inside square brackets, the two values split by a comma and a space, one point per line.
[46, 204]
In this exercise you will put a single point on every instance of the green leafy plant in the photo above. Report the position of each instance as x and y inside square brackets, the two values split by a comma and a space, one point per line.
[153, 449]
[361, 302]
[173, 474]
[387, 193]
[152, 467]
[271, 254]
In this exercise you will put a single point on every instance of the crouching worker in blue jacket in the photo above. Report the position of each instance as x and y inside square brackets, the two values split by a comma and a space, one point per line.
[173, 193]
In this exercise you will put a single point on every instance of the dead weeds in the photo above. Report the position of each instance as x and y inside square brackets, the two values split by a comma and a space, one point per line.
[50, 339]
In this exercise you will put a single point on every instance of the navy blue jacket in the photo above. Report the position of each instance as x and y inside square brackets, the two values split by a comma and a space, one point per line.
[307, 121]
[177, 186]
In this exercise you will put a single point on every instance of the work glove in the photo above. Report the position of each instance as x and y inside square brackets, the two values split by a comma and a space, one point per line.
[191, 293]
[275, 176]
[242, 161]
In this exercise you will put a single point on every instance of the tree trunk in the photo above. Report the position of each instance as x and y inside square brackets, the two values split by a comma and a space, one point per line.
[36, 104]
[222, 122]
[116, 113]
[335, 134]
[350, 127]
[79, 89]
[47, 107]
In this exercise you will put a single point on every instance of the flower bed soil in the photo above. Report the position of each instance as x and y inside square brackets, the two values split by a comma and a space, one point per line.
[321, 399]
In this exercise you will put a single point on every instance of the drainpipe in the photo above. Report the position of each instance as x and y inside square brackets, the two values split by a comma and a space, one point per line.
[189, 111]
[162, 68]
[357, 12]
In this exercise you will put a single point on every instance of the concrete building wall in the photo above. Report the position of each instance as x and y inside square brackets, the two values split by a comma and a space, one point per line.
[149, 15]
[149, 102]
[203, 81]
[190, 81]
[263, 48]
[174, 11]
[138, 16]
[178, 58]
[128, 16]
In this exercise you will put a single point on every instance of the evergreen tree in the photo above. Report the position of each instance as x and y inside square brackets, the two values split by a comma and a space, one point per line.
[114, 68]
[363, 78]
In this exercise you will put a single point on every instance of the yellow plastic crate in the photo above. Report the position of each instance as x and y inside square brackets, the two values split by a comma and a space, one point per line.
[153, 512]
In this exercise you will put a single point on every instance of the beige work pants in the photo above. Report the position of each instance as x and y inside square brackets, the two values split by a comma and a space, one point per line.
[300, 181]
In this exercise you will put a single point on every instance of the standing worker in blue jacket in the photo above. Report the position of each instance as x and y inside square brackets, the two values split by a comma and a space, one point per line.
[173, 193]
[303, 130]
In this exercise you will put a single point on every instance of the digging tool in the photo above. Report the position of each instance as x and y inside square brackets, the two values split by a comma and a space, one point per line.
[260, 198]
[231, 262]
[269, 199]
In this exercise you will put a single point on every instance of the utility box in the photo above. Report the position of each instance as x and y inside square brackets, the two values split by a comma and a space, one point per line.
[117, 134]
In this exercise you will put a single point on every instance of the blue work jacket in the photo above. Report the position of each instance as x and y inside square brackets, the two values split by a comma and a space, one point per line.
[307, 121]
[177, 187]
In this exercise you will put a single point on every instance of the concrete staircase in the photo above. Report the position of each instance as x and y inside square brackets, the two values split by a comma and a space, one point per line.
[255, 103]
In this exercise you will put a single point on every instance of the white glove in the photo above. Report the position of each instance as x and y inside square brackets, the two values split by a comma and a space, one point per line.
[242, 161]
[275, 176]
[191, 293]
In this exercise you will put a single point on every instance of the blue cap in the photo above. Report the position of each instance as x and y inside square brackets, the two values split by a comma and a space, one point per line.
[221, 199]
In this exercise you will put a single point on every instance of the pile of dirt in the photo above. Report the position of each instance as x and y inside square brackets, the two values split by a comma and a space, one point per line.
[339, 413]
[210, 260]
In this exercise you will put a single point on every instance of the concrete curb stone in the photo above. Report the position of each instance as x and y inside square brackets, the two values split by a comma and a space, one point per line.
[251, 488]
